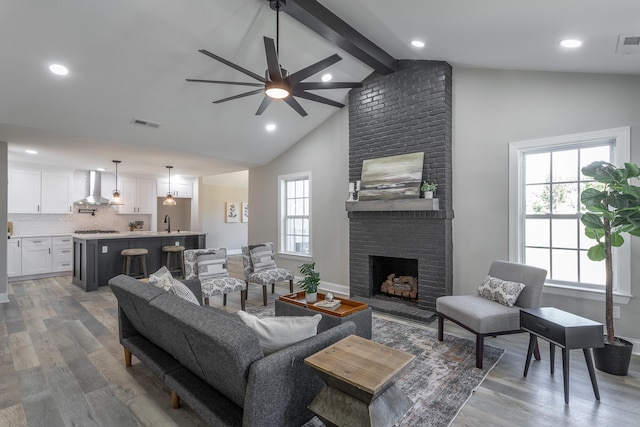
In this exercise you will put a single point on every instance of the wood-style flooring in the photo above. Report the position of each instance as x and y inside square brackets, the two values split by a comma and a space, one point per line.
[61, 365]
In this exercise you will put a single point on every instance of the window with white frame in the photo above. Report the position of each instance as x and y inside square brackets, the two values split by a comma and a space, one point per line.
[545, 210]
[295, 214]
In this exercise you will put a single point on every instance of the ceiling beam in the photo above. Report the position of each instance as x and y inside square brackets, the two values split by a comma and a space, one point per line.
[324, 22]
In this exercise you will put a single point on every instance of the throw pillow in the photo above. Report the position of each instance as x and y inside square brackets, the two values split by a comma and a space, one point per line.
[276, 333]
[155, 277]
[262, 258]
[502, 291]
[212, 265]
[165, 282]
[180, 289]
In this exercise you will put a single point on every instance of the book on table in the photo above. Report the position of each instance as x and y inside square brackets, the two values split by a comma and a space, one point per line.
[328, 304]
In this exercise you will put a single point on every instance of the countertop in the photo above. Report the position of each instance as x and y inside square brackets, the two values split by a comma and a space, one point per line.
[136, 234]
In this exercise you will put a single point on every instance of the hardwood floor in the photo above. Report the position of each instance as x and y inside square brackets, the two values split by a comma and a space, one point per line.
[61, 365]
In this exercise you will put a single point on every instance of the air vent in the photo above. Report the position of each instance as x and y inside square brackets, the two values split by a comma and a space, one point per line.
[148, 123]
[628, 45]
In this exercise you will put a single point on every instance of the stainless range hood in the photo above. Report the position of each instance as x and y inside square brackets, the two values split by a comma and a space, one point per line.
[94, 191]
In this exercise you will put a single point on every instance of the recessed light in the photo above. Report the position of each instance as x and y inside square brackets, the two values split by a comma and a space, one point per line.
[31, 151]
[59, 69]
[570, 43]
[417, 43]
[327, 77]
[270, 127]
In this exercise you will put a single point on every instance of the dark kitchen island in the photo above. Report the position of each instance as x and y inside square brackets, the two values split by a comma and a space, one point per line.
[96, 257]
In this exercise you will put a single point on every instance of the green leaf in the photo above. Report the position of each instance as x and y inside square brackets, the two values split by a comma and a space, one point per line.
[616, 240]
[595, 234]
[596, 253]
[592, 220]
[632, 170]
[593, 197]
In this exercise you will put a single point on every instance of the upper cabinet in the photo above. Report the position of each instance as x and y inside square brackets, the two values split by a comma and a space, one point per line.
[178, 189]
[138, 196]
[36, 191]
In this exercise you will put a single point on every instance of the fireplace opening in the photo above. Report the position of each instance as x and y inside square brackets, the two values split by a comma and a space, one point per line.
[393, 278]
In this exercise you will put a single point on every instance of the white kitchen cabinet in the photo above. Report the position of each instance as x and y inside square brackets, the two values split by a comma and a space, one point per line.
[36, 255]
[14, 257]
[138, 196]
[62, 253]
[35, 191]
[178, 189]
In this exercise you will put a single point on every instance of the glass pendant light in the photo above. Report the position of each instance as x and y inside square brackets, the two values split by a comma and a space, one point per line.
[169, 201]
[116, 200]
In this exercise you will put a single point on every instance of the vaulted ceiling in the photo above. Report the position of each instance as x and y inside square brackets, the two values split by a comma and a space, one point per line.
[128, 59]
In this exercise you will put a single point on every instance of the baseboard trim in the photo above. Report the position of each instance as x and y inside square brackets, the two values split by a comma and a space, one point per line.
[4, 298]
[234, 251]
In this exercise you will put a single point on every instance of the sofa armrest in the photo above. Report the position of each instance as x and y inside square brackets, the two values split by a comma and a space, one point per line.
[281, 385]
[195, 286]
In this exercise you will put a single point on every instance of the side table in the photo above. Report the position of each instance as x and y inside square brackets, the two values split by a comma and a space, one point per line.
[361, 390]
[567, 331]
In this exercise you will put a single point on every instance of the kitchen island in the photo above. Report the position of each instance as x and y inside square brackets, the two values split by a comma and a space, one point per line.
[96, 257]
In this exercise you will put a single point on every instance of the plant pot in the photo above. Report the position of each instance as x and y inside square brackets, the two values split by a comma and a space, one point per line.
[428, 194]
[613, 359]
[311, 298]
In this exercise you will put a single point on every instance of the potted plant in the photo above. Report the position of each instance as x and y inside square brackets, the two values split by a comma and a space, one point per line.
[132, 226]
[310, 281]
[428, 188]
[614, 208]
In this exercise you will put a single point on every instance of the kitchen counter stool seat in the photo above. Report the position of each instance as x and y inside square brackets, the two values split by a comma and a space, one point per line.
[129, 254]
[177, 251]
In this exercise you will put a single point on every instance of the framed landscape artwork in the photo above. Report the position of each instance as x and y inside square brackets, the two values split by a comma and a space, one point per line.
[245, 212]
[232, 212]
[393, 177]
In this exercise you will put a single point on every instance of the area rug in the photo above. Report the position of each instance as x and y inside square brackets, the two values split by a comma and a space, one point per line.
[441, 378]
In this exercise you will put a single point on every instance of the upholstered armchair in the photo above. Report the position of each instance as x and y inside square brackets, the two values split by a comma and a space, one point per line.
[260, 268]
[210, 267]
[486, 317]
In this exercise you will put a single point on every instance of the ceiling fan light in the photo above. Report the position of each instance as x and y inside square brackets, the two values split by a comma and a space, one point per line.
[276, 92]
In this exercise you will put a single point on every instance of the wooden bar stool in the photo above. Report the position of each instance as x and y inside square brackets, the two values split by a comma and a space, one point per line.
[179, 252]
[131, 253]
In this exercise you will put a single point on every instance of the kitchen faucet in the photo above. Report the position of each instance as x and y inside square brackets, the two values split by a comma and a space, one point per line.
[167, 220]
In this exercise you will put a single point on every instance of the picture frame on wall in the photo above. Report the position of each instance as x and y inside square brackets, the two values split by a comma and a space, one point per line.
[232, 212]
[245, 212]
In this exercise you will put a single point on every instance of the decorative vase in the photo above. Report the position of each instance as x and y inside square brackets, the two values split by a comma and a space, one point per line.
[428, 194]
[311, 298]
[613, 359]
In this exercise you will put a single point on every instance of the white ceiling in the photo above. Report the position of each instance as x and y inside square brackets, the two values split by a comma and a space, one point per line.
[129, 59]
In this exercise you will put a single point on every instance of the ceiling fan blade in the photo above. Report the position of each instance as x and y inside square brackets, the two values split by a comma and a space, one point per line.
[328, 85]
[312, 69]
[234, 66]
[317, 98]
[272, 60]
[225, 83]
[295, 105]
[263, 105]
[242, 95]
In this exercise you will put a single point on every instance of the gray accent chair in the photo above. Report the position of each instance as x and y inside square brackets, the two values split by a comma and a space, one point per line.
[489, 318]
[266, 277]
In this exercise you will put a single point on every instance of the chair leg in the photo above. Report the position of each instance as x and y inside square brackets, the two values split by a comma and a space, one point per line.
[180, 255]
[290, 286]
[246, 292]
[175, 400]
[536, 351]
[479, 350]
[127, 358]
[273, 287]
[243, 298]
[206, 300]
[264, 294]
[143, 264]
[440, 327]
[224, 299]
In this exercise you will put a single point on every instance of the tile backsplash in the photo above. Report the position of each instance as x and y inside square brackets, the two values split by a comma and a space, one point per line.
[105, 218]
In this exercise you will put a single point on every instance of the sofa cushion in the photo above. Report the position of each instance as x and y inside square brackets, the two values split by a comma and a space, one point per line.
[502, 291]
[262, 258]
[276, 333]
[212, 265]
[481, 315]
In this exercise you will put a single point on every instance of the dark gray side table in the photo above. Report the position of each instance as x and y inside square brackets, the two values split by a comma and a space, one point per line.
[567, 331]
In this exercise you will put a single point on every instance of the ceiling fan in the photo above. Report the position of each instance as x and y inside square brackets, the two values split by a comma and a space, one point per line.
[277, 83]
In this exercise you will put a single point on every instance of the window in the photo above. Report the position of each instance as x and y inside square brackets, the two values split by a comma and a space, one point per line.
[545, 209]
[295, 214]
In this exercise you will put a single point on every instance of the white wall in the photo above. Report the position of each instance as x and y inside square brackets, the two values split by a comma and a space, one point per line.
[324, 152]
[492, 108]
[3, 219]
[212, 195]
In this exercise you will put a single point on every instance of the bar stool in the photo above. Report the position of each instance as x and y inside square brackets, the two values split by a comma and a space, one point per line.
[131, 253]
[174, 250]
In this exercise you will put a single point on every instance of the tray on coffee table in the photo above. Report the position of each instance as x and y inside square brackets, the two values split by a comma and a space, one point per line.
[346, 307]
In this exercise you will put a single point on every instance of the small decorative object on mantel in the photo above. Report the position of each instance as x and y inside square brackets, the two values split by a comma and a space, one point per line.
[310, 281]
[428, 188]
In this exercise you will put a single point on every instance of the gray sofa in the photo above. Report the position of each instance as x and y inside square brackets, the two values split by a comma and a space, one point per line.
[213, 362]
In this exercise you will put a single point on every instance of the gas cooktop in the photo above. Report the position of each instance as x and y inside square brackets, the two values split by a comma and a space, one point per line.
[96, 231]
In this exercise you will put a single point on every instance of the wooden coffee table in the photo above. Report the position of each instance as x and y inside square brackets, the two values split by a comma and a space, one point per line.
[361, 390]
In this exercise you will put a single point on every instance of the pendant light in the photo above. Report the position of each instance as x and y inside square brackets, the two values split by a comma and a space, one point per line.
[169, 201]
[116, 200]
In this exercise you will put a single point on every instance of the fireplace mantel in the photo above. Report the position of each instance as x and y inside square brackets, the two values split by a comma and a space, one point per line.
[393, 205]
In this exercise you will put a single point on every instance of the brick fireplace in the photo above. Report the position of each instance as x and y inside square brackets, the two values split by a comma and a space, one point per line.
[404, 112]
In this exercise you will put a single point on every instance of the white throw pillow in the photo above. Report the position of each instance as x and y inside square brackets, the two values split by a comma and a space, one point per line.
[502, 291]
[180, 289]
[276, 333]
[165, 282]
[155, 277]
